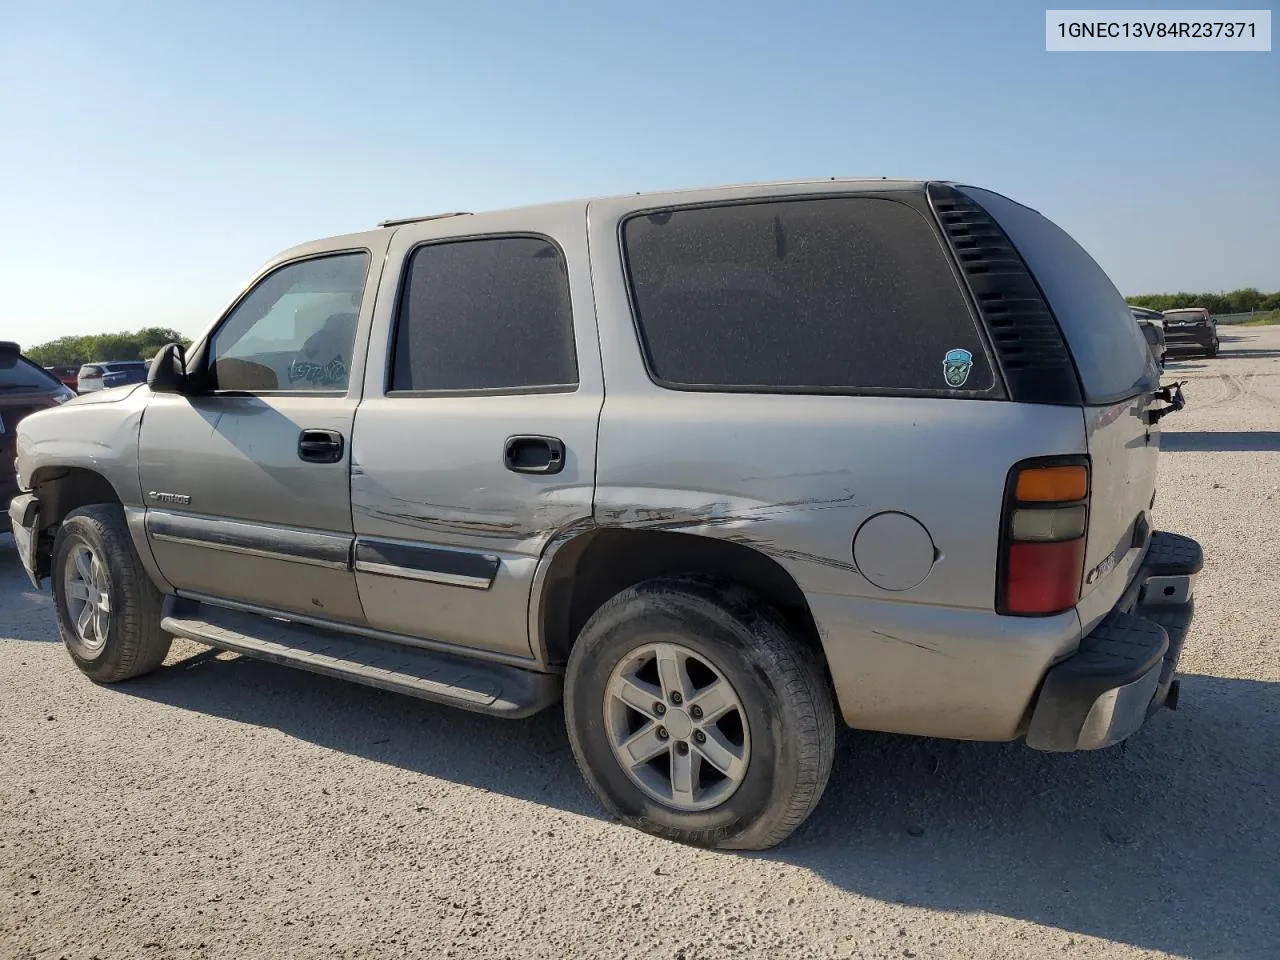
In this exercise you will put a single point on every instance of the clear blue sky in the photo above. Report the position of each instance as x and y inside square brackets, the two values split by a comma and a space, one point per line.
[152, 155]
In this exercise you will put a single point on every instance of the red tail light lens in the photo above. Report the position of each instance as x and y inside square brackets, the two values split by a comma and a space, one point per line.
[1043, 577]
[1044, 529]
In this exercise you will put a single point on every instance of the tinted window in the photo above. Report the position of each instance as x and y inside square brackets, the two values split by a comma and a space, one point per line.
[295, 330]
[1109, 350]
[833, 295]
[19, 373]
[483, 315]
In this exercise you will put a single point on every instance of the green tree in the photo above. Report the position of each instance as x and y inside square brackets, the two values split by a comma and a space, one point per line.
[1242, 301]
[72, 351]
[1237, 301]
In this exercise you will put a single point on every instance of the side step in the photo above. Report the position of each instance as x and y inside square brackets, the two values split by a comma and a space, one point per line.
[476, 685]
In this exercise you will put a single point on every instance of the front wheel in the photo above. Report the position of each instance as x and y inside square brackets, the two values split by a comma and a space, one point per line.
[108, 609]
[696, 715]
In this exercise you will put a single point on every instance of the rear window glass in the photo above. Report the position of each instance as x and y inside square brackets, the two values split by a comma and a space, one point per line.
[19, 373]
[839, 295]
[1110, 352]
[485, 314]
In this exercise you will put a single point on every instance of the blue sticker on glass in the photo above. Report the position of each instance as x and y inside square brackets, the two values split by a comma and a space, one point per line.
[956, 366]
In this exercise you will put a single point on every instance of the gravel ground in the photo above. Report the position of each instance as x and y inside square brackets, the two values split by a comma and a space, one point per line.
[227, 808]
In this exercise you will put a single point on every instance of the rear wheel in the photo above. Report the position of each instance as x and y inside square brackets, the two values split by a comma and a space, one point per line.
[1213, 348]
[695, 715]
[108, 609]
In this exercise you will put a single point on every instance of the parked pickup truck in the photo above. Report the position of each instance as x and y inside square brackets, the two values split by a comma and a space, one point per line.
[712, 467]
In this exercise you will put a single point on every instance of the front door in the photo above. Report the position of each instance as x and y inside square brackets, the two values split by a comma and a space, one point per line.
[246, 480]
[475, 443]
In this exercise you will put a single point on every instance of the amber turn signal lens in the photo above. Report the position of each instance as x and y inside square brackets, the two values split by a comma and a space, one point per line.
[1052, 484]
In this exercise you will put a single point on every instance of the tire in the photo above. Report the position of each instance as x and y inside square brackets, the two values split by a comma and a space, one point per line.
[133, 643]
[1213, 349]
[783, 718]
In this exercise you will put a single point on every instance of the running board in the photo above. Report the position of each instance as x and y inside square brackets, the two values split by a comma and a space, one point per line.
[477, 685]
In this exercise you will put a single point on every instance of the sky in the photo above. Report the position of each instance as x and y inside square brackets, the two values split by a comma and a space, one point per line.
[154, 155]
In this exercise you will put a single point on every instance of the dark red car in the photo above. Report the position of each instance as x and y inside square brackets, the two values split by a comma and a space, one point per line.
[69, 376]
[24, 388]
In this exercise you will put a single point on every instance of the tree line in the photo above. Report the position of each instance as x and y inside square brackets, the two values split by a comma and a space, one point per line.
[1237, 301]
[72, 351]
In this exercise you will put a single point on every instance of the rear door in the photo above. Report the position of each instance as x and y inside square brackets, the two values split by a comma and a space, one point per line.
[1117, 376]
[475, 442]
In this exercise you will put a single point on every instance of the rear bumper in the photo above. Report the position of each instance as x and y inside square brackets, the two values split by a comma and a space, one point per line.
[1189, 336]
[1125, 668]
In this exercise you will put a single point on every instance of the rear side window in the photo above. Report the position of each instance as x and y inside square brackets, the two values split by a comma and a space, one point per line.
[839, 295]
[1110, 352]
[18, 373]
[487, 314]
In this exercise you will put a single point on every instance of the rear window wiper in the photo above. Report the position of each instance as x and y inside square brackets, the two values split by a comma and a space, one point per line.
[1170, 394]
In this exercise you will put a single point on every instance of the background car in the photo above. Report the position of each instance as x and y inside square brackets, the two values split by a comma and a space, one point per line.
[1191, 327]
[1151, 323]
[68, 375]
[24, 388]
[103, 375]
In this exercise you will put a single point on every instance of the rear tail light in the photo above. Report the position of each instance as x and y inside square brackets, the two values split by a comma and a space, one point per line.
[1043, 532]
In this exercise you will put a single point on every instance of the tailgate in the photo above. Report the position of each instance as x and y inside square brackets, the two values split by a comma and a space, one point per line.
[1123, 450]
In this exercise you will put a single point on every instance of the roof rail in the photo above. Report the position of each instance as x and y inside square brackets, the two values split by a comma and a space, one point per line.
[430, 216]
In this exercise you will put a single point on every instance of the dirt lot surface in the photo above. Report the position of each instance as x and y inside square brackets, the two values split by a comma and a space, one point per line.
[227, 808]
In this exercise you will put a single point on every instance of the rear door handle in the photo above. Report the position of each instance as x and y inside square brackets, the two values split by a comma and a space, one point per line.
[320, 446]
[534, 454]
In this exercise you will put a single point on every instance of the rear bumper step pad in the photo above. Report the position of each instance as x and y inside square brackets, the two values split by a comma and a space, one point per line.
[1125, 668]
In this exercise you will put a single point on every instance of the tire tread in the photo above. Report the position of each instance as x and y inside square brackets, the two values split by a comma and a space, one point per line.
[140, 645]
[799, 676]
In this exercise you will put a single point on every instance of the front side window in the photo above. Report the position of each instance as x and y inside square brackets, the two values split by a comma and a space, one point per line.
[837, 295]
[295, 331]
[485, 314]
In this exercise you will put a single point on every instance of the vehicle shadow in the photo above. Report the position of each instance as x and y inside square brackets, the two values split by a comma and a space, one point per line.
[28, 613]
[1251, 354]
[1220, 441]
[1170, 845]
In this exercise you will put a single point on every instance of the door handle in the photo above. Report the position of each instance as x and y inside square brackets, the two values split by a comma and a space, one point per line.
[320, 446]
[534, 454]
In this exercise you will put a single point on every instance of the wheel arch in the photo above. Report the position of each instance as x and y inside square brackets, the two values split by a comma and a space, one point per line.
[588, 569]
[62, 489]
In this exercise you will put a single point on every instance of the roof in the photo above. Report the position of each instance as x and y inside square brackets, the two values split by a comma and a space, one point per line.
[866, 183]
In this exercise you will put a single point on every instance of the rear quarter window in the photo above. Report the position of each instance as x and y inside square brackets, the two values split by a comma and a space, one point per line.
[18, 373]
[1109, 349]
[829, 295]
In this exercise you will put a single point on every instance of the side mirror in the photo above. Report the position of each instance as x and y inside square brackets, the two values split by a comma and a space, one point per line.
[167, 373]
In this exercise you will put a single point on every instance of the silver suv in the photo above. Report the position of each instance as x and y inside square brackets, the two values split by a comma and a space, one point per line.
[712, 467]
